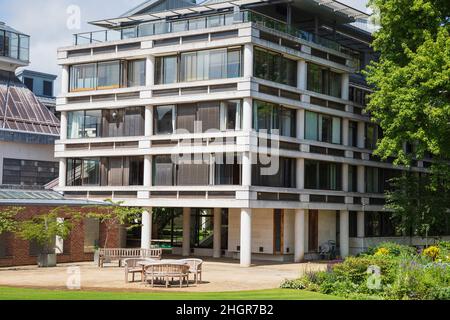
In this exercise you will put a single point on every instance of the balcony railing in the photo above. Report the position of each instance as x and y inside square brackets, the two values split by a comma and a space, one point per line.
[217, 20]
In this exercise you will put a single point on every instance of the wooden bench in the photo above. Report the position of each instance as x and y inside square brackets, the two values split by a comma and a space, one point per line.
[166, 271]
[117, 254]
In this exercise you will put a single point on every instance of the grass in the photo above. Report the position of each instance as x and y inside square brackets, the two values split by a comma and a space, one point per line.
[7, 293]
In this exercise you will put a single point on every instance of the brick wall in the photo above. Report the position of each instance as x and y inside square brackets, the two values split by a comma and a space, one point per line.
[18, 249]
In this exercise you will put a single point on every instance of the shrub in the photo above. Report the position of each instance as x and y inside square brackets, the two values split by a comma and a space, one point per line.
[431, 252]
[392, 249]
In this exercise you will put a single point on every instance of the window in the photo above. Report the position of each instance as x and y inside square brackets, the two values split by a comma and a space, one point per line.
[123, 171]
[178, 26]
[108, 75]
[199, 65]
[352, 178]
[29, 83]
[203, 228]
[92, 123]
[83, 172]
[83, 77]
[378, 180]
[379, 224]
[48, 88]
[353, 224]
[166, 70]
[231, 111]
[323, 175]
[273, 66]
[323, 80]
[135, 73]
[195, 24]
[91, 234]
[227, 173]
[163, 171]
[320, 127]
[353, 134]
[28, 172]
[270, 117]
[284, 178]
[164, 116]
[359, 96]
[373, 133]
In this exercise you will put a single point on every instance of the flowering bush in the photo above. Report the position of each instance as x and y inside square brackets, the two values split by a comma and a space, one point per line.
[382, 252]
[431, 252]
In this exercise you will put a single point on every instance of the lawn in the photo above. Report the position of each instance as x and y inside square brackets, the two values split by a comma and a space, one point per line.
[7, 293]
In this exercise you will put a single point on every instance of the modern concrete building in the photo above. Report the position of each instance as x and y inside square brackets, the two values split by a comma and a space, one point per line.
[239, 123]
[28, 130]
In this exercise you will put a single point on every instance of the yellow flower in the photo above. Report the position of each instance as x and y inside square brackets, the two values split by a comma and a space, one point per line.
[382, 252]
[431, 252]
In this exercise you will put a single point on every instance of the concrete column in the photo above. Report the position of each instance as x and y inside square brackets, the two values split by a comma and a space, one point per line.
[246, 237]
[248, 60]
[146, 237]
[344, 233]
[63, 127]
[62, 173]
[345, 177]
[300, 124]
[361, 179]
[302, 75]
[360, 224]
[149, 121]
[300, 174]
[345, 132]
[299, 229]
[247, 169]
[345, 86]
[247, 114]
[65, 80]
[148, 168]
[361, 135]
[186, 232]
[150, 71]
[217, 251]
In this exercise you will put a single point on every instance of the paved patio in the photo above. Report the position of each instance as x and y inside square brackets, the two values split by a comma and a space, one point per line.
[218, 276]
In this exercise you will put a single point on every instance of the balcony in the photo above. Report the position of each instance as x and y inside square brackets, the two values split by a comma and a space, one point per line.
[203, 22]
[14, 45]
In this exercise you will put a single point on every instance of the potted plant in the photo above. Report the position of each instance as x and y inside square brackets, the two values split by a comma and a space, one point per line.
[44, 229]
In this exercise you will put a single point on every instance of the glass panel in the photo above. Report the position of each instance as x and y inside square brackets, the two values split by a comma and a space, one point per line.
[218, 64]
[129, 33]
[24, 53]
[163, 169]
[13, 45]
[91, 170]
[136, 175]
[92, 124]
[136, 73]
[188, 66]
[311, 128]
[75, 124]
[263, 115]
[108, 75]
[164, 119]
[2, 43]
[336, 130]
[83, 77]
[170, 70]
[146, 29]
[335, 85]
[288, 122]
[215, 21]
[234, 63]
[232, 115]
[178, 26]
[195, 24]
[74, 172]
[161, 27]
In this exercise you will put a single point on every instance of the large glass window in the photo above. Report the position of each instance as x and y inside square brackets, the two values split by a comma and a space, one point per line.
[323, 80]
[284, 178]
[92, 123]
[320, 127]
[135, 73]
[353, 134]
[379, 224]
[83, 172]
[270, 117]
[164, 116]
[83, 77]
[321, 175]
[373, 133]
[108, 75]
[378, 180]
[273, 66]
[232, 111]
[166, 70]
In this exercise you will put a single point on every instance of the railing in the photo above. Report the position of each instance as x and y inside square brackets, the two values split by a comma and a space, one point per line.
[217, 20]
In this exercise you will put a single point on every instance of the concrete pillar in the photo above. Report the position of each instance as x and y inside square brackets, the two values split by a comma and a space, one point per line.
[148, 168]
[302, 75]
[248, 60]
[345, 86]
[150, 71]
[360, 224]
[361, 179]
[300, 124]
[186, 232]
[345, 132]
[247, 169]
[361, 135]
[247, 114]
[65, 80]
[345, 186]
[62, 173]
[148, 121]
[217, 247]
[246, 237]
[344, 233]
[146, 236]
[63, 127]
[300, 174]
[299, 229]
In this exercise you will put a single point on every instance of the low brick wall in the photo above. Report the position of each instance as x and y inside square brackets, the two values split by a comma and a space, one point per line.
[17, 250]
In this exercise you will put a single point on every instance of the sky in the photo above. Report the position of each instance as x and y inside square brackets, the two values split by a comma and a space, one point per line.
[50, 26]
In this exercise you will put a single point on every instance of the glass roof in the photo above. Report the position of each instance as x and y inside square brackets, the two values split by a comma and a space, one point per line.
[20, 110]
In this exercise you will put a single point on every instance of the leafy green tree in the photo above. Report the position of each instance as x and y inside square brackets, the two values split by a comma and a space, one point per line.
[114, 215]
[8, 221]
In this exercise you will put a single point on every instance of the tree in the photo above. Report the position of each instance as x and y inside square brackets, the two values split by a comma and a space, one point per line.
[114, 215]
[46, 227]
[8, 221]
[411, 103]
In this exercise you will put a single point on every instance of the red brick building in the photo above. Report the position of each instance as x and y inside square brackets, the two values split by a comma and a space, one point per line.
[78, 247]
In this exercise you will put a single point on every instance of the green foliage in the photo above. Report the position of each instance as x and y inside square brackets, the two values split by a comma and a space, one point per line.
[394, 249]
[115, 215]
[8, 222]
[45, 228]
